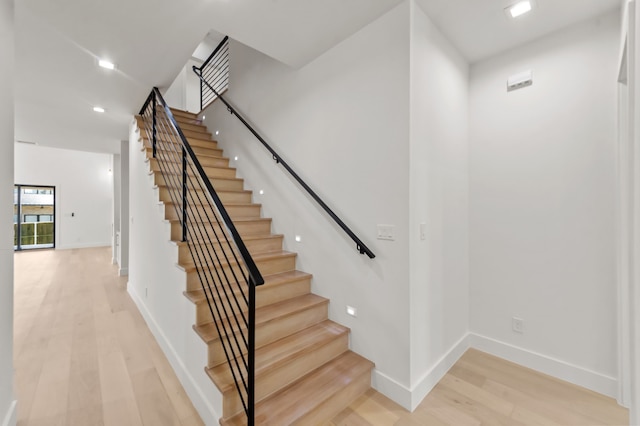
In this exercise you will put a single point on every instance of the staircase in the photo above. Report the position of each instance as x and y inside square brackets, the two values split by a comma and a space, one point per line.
[304, 371]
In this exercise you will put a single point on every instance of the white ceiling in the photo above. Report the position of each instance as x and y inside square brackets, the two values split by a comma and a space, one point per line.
[58, 43]
[481, 28]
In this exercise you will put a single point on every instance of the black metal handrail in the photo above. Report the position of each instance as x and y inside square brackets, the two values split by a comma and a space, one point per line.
[216, 69]
[361, 247]
[227, 273]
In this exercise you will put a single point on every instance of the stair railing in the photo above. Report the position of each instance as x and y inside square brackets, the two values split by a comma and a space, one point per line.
[360, 246]
[227, 273]
[215, 70]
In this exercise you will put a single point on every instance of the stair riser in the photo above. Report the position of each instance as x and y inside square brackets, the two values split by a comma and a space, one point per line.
[254, 212]
[273, 330]
[336, 403]
[280, 376]
[193, 142]
[187, 133]
[265, 295]
[212, 172]
[218, 184]
[167, 154]
[185, 125]
[253, 245]
[197, 196]
[211, 151]
[183, 114]
[205, 230]
[266, 267]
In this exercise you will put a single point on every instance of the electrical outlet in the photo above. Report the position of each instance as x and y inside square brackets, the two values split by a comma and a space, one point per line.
[517, 324]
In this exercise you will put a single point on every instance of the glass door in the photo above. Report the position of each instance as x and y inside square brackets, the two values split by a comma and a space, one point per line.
[34, 217]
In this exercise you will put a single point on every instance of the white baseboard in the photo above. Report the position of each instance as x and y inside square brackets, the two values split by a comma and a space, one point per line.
[82, 245]
[123, 272]
[431, 378]
[553, 367]
[11, 418]
[410, 398]
[197, 397]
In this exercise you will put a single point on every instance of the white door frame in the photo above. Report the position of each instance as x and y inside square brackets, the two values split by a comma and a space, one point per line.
[628, 219]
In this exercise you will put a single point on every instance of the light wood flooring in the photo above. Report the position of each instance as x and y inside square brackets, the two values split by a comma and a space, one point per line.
[84, 356]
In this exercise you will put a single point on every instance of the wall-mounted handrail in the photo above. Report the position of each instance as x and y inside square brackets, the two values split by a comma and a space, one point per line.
[227, 272]
[362, 248]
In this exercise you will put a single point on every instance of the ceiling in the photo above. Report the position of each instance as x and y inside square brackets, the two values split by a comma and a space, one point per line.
[58, 44]
[481, 28]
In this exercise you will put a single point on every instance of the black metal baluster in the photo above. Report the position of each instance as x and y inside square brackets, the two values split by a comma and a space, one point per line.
[184, 194]
[154, 125]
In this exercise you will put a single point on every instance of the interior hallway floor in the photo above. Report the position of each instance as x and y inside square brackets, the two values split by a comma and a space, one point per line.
[84, 356]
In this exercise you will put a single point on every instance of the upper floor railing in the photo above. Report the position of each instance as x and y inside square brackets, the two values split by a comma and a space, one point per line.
[216, 71]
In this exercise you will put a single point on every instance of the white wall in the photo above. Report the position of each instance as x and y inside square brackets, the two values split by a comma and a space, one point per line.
[83, 185]
[342, 122]
[123, 254]
[7, 403]
[156, 286]
[116, 168]
[438, 155]
[542, 188]
[184, 92]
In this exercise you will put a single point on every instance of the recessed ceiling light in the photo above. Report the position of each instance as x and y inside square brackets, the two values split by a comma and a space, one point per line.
[106, 64]
[98, 109]
[520, 8]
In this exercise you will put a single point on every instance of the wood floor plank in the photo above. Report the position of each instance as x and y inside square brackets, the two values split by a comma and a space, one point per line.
[83, 355]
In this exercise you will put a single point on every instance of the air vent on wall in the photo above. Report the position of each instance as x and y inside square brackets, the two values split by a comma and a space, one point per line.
[519, 81]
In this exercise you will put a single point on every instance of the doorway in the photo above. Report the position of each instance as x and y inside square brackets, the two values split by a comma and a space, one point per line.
[34, 224]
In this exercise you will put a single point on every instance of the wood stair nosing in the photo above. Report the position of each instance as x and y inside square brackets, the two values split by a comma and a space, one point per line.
[211, 171]
[205, 161]
[201, 197]
[219, 184]
[198, 150]
[314, 398]
[254, 243]
[203, 232]
[282, 362]
[230, 261]
[165, 130]
[267, 266]
[193, 142]
[215, 153]
[183, 113]
[237, 212]
[272, 291]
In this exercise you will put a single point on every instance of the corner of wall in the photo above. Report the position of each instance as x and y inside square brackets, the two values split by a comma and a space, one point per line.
[562, 370]
[410, 398]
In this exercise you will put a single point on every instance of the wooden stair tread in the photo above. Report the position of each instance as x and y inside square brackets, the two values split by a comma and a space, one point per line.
[183, 112]
[281, 351]
[197, 296]
[190, 266]
[240, 219]
[288, 405]
[222, 191]
[208, 333]
[200, 156]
